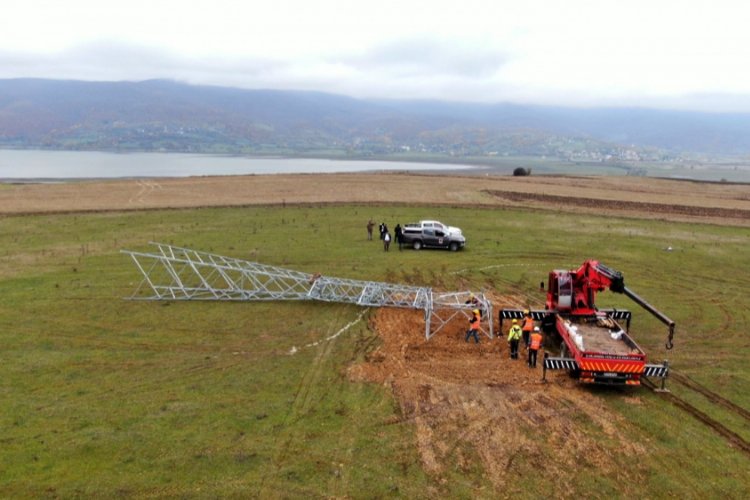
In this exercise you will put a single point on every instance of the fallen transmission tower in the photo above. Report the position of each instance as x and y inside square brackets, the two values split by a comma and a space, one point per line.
[175, 273]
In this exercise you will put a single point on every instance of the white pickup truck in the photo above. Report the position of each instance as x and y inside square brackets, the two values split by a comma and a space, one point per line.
[433, 234]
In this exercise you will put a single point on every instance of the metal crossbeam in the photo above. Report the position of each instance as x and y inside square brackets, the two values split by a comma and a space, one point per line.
[175, 273]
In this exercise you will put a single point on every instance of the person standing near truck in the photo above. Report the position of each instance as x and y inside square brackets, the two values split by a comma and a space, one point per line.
[528, 326]
[514, 336]
[399, 236]
[473, 330]
[534, 345]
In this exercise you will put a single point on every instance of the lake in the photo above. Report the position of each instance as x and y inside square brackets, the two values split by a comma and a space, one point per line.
[59, 165]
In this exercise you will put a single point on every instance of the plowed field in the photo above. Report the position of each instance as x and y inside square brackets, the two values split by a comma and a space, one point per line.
[716, 203]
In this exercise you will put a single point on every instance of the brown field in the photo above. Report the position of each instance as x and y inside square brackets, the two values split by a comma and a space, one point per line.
[717, 203]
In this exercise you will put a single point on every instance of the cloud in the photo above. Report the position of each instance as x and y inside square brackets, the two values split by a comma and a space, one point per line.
[429, 57]
[106, 60]
[407, 68]
[427, 67]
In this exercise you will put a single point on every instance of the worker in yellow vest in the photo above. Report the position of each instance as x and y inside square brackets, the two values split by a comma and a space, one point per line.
[534, 345]
[514, 336]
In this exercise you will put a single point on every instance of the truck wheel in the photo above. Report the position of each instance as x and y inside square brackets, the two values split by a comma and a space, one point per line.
[417, 245]
[454, 246]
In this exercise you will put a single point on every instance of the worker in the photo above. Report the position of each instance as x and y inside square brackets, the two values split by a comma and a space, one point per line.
[473, 301]
[514, 336]
[473, 330]
[534, 346]
[399, 236]
[528, 326]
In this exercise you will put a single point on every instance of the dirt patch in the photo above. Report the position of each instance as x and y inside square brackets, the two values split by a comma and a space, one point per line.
[468, 400]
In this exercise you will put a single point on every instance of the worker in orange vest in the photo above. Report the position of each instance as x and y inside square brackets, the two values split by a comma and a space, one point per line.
[534, 346]
[473, 330]
[528, 326]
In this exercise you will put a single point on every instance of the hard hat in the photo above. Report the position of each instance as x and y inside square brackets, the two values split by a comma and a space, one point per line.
[515, 320]
[536, 328]
[526, 311]
[476, 311]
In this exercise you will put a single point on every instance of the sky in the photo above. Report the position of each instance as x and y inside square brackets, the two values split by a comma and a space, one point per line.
[686, 54]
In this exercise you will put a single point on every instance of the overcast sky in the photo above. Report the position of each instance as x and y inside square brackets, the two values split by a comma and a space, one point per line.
[658, 53]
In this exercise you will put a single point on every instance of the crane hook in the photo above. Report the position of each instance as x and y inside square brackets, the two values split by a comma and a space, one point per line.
[670, 344]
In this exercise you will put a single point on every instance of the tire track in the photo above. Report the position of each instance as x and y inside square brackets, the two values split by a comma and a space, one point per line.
[343, 452]
[146, 187]
[709, 394]
[734, 439]
[303, 401]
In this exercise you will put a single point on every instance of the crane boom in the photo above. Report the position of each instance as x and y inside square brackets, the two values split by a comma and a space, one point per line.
[655, 312]
[574, 292]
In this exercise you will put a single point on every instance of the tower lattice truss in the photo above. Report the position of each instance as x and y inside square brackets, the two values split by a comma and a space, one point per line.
[175, 273]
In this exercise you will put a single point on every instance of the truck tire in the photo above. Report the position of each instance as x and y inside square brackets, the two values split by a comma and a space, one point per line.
[417, 245]
[454, 246]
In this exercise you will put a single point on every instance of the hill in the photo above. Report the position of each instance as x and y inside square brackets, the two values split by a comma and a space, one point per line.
[160, 115]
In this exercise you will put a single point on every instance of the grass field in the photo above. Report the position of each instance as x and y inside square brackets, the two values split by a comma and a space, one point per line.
[109, 397]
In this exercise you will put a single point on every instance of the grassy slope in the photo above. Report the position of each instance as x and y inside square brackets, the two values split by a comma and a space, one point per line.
[105, 396]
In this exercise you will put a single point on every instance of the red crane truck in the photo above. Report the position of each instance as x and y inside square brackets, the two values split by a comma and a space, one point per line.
[595, 348]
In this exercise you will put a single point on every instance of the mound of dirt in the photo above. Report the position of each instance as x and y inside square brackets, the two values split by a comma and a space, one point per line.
[469, 399]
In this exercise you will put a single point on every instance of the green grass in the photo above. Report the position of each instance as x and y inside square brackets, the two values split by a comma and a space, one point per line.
[108, 397]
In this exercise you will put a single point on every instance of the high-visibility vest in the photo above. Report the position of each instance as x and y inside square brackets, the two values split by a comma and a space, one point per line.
[514, 333]
[528, 324]
[474, 325]
[536, 341]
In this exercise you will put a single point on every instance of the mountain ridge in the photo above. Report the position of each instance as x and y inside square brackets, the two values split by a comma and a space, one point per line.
[166, 115]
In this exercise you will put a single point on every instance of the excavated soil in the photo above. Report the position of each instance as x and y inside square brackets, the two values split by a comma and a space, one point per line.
[469, 400]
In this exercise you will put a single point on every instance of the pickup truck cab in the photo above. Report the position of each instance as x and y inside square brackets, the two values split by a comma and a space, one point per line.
[433, 234]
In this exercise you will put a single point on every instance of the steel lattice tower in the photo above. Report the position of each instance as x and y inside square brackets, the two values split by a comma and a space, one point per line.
[174, 273]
